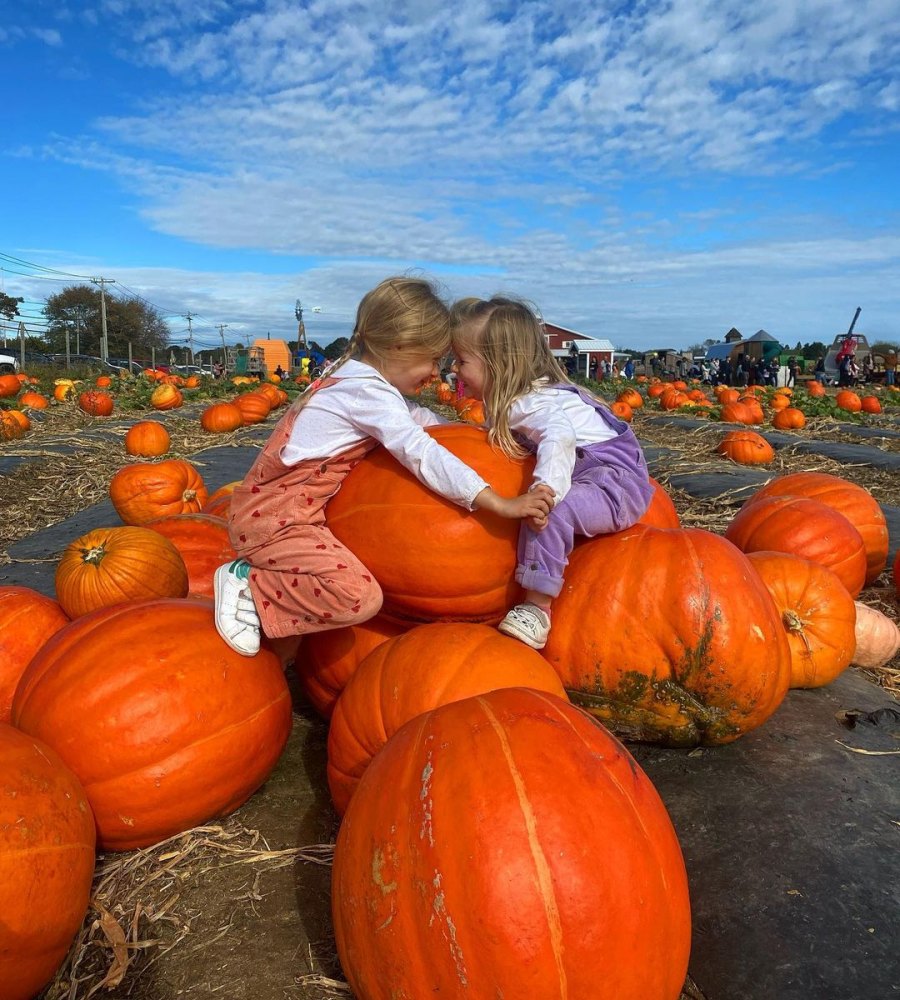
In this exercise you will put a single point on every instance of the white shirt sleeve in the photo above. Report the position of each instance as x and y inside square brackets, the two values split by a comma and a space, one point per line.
[382, 413]
[545, 424]
[425, 417]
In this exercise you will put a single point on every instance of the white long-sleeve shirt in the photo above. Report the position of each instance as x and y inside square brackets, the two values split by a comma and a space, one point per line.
[556, 422]
[363, 404]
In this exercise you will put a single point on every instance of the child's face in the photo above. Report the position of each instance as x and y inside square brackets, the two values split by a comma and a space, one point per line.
[408, 371]
[470, 368]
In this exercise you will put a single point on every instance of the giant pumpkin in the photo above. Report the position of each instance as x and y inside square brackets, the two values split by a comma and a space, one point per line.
[327, 660]
[27, 620]
[144, 491]
[47, 841]
[669, 636]
[202, 542]
[433, 559]
[391, 687]
[464, 867]
[817, 614]
[804, 528]
[855, 502]
[165, 725]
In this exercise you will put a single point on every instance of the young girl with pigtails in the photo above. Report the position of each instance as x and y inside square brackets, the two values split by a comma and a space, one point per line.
[292, 575]
[589, 459]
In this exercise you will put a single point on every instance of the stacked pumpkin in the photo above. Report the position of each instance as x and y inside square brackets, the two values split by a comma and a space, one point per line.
[125, 733]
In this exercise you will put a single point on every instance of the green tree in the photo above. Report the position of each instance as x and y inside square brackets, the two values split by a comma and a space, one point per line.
[9, 306]
[885, 347]
[335, 349]
[128, 321]
[814, 350]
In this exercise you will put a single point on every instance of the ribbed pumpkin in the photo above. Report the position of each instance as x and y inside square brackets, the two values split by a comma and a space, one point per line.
[166, 397]
[390, 687]
[855, 502]
[327, 660]
[10, 428]
[689, 647]
[144, 491]
[33, 400]
[804, 528]
[737, 413]
[165, 725]
[632, 397]
[148, 438]
[47, 844]
[463, 867]
[877, 637]
[817, 614]
[111, 565]
[27, 620]
[433, 559]
[622, 410]
[221, 418]
[218, 503]
[746, 448]
[96, 402]
[202, 542]
[254, 407]
[63, 391]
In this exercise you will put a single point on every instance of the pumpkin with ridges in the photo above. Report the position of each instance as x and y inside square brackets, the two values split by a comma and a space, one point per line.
[712, 666]
[462, 869]
[144, 491]
[163, 723]
[202, 542]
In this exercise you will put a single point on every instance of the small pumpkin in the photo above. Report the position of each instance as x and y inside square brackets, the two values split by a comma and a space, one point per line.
[9, 386]
[746, 448]
[96, 402]
[790, 418]
[221, 418]
[737, 413]
[103, 381]
[166, 397]
[877, 637]
[147, 438]
[10, 428]
[622, 410]
[389, 688]
[870, 404]
[254, 406]
[111, 565]
[34, 400]
[849, 401]
[165, 725]
[815, 389]
[47, 855]
[144, 491]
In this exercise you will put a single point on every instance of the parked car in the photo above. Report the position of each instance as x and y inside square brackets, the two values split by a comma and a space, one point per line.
[97, 365]
[9, 364]
[122, 364]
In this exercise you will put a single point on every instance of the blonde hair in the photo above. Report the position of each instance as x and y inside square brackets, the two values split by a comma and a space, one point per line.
[508, 337]
[399, 313]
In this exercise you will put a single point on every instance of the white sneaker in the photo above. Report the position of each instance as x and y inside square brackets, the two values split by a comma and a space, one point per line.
[236, 618]
[527, 623]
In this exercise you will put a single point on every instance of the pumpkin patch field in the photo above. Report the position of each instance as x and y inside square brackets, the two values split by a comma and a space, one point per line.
[690, 794]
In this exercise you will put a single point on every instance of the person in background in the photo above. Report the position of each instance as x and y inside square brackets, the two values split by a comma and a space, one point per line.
[890, 368]
[291, 575]
[819, 370]
[628, 370]
[588, 459]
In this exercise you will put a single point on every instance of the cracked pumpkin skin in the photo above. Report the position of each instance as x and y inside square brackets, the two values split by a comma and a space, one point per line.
[463, 868]
[669, 637]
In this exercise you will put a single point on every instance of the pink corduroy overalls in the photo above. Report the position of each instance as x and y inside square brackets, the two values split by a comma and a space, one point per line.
[302, 578]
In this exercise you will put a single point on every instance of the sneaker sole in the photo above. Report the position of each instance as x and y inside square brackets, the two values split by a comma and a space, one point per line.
[228, 642]
[524, 637]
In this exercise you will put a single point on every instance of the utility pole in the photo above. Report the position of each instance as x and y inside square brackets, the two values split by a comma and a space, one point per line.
[189, 317]
[222, 327]
[104, 340]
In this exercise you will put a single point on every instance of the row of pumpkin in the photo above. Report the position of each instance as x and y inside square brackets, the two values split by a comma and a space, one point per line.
[454, 754]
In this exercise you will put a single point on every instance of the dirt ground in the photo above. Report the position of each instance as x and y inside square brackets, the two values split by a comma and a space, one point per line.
[240, 908]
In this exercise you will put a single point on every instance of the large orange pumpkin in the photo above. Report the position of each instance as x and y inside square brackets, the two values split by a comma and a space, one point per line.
[111, 565]
[9, 385]
[27, 620]
[849, 401]
[870, 404]
[148, 438]
[327, 660]
[220, 418]
[688, 648]
[390, 688]
[47, 844]
[462, 867]
[33, 400]
[737, 413]
[202, 542]
[804, 528]
[96, 402]
[144, 491]
[218, 503]
[254, 407]
[790, 418]
[433, 559]
[817, 613]
[855, 502]
[661, 513]
[165, 725]
[746, 448]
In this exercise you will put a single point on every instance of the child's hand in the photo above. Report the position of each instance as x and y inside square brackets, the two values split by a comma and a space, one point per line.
[536, 503]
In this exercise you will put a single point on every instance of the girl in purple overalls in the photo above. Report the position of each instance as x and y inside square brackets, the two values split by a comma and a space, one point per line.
[589, 459]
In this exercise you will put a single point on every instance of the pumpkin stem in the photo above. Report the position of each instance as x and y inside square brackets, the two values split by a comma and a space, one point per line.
[93, 555]
[794, 623]
[188, 495]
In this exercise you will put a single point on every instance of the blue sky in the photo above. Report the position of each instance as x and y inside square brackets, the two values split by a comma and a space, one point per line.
[653, 173]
